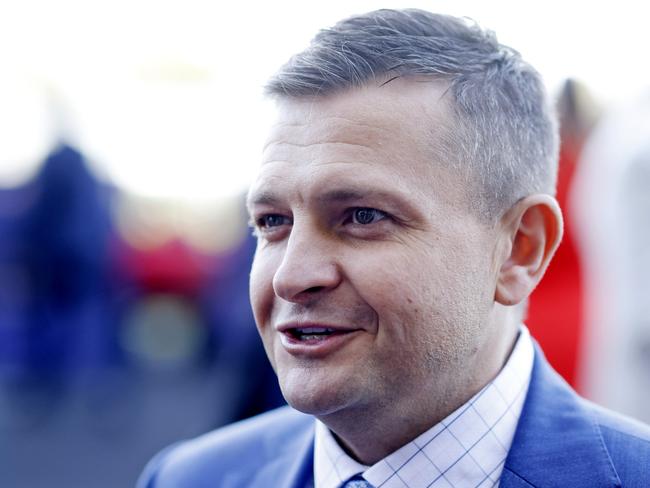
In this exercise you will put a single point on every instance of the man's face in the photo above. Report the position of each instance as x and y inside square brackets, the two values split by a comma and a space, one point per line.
[372, 283]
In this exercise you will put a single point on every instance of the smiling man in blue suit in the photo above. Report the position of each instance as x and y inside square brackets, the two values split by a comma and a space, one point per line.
[404, 212]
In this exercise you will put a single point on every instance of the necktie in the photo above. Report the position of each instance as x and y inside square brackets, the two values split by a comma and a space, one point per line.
[356, 482]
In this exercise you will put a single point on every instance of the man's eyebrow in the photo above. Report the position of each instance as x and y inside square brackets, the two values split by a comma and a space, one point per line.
[397, 200]
[353, 194]
[262, 198]
[342, 195]
[338, 195]
[330, 196]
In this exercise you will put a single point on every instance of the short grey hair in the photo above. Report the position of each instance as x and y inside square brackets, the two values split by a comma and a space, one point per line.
[504, 138]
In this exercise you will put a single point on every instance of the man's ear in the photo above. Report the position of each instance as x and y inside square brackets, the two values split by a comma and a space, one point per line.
[532, 230]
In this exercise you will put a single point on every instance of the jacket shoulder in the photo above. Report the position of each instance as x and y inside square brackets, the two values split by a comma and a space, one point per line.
[233, 453]
[564, 440]
[628, 444]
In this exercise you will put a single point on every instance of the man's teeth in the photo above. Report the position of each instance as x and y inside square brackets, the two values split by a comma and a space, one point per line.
[312, 333]
[314, 330]
[318, 337]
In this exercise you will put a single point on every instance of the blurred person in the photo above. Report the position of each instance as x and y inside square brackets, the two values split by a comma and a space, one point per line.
[60, 352]
[611, 203]
[61, 247]
[404, 211]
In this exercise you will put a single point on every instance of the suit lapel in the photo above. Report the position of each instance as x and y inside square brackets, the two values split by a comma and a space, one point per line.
[290, 461]
[557, 442]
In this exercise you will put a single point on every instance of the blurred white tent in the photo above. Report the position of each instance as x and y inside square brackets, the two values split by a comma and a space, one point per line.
[611, 207]
[165, 97]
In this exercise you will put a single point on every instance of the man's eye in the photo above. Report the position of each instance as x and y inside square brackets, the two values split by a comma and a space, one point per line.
[272, 220]
[365, 216]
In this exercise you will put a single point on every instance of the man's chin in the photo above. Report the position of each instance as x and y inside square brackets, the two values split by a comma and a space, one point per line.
[317, 400]
[320, 406]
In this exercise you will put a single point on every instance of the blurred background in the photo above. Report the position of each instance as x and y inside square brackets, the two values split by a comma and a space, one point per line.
[129, 132]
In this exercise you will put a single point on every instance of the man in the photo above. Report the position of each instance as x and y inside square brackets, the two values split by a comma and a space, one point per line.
[404, 213]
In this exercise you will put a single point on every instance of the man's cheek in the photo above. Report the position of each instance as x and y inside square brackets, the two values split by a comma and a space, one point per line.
[261, 291]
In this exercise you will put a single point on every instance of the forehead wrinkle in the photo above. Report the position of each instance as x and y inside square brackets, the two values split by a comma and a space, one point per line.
[321, 118]
[329, 129]
[323, 143]
[318, 153]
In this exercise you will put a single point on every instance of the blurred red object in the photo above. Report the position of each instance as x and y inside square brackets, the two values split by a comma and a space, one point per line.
[174, 267]
[555, 312]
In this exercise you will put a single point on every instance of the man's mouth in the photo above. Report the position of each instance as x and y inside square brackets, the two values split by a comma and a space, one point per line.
[313, 333]
[315, 340]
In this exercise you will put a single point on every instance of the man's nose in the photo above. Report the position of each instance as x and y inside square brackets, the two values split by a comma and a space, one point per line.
[308, 268]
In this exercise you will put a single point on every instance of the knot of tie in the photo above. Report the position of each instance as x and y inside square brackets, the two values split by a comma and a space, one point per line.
[356, 482]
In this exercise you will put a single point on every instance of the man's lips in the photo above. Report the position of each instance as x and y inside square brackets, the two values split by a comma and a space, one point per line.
[297, 330]
[314, 339]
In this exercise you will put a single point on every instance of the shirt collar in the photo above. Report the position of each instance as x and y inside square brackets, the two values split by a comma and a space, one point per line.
[467, 448]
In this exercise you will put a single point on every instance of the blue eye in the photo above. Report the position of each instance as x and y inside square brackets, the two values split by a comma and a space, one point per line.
[365, 216]
[272, 220]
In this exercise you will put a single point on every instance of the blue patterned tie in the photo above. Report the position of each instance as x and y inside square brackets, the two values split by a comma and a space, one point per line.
[356, 482]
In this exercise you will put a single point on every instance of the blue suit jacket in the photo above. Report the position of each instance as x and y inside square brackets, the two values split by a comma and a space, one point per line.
[561, 441]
